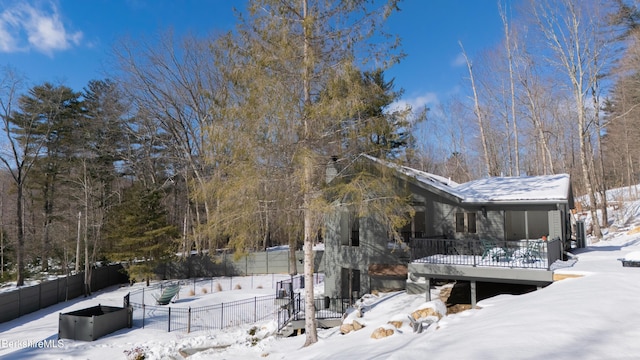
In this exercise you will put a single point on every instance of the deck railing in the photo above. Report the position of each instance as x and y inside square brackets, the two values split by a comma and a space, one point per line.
[326, 308]
[528, 253]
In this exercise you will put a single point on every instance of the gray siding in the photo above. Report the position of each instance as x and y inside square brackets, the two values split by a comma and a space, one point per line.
[493, 224]
[373, 249]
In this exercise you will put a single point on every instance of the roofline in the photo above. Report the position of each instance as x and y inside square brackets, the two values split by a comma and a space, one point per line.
[518, 202]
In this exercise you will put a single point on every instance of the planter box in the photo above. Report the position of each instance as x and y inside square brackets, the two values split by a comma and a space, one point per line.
[91, 323]
[630, 263]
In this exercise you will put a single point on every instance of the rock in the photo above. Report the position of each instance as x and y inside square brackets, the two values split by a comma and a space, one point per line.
[396, 323]
[381, 332]
[346, 328]
[425, 312]
[349, 327]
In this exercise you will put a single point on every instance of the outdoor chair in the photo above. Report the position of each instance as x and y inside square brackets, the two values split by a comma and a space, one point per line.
[167, 294]
[532, 252]
[491, 250]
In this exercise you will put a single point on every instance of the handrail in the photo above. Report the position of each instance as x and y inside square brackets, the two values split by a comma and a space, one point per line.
[527, 253]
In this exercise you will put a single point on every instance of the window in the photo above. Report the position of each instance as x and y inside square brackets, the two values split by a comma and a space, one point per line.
[466, 222]
[471, 223]
[415, 228]
[459, 222]
[350, 235]
[350, 283]
[355, 231]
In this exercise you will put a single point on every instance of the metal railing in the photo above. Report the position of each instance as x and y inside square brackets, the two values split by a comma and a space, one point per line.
[223, 315]
[285, 288]
[293, 309]
[219, 316]
[536, 254]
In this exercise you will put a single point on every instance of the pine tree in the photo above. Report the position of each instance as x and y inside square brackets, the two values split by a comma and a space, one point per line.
[139, 232]
[47, 119]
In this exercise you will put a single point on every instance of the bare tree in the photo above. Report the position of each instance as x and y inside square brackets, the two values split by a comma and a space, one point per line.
[514, 123]
[568, 33]
[176, 91]
[491, 167]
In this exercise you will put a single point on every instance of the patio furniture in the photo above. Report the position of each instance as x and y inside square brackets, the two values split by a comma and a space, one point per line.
[532, 251]
[491, 250]
[167, 294]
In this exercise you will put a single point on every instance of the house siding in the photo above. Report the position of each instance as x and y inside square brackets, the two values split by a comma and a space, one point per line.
[438, 209]
[374, 248]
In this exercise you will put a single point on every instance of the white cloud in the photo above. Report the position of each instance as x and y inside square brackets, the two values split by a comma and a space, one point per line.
[24, 26]
[8, 28]
[417, 103]
[459, 61]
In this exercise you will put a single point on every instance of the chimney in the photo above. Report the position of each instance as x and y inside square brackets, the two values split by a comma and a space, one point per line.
[332, 170]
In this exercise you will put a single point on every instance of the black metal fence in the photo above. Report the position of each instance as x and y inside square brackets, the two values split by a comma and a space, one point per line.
[293, 309]
[284, 306]
[534, 253]
[285, 288]
[219, 316]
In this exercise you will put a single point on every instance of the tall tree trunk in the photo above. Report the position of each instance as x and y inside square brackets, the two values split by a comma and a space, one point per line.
[479, 116]
[20, 249]
[310, 326]
[573, 53]
[309, 306]
[599, 127]
[516, 144]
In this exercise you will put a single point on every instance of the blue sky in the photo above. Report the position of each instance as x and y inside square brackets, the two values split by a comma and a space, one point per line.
[68, 41]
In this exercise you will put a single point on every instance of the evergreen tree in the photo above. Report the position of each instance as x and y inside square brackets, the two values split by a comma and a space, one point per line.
[48, 117]
[139, 232]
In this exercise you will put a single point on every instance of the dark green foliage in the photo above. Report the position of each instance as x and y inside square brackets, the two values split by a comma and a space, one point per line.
[139, 232]
[45, 128]
[371, 127]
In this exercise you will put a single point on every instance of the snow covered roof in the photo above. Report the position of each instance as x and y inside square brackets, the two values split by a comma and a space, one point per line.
[435, 181]
[536, 189]
[494, 190]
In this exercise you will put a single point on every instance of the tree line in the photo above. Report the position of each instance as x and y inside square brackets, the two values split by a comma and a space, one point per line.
[554, 96]
[197, 144]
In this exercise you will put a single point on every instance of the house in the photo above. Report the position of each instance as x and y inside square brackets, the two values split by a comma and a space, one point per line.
[497, 229]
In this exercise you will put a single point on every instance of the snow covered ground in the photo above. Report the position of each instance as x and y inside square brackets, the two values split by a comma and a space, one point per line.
[594, 316]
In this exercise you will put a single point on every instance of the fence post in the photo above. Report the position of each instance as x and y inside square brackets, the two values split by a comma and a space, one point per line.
[255, 309]
[144, 312]
[221, 315]
[169, 321]
[189, 320]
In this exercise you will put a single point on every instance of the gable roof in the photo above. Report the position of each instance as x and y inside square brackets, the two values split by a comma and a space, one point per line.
[545, 189]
